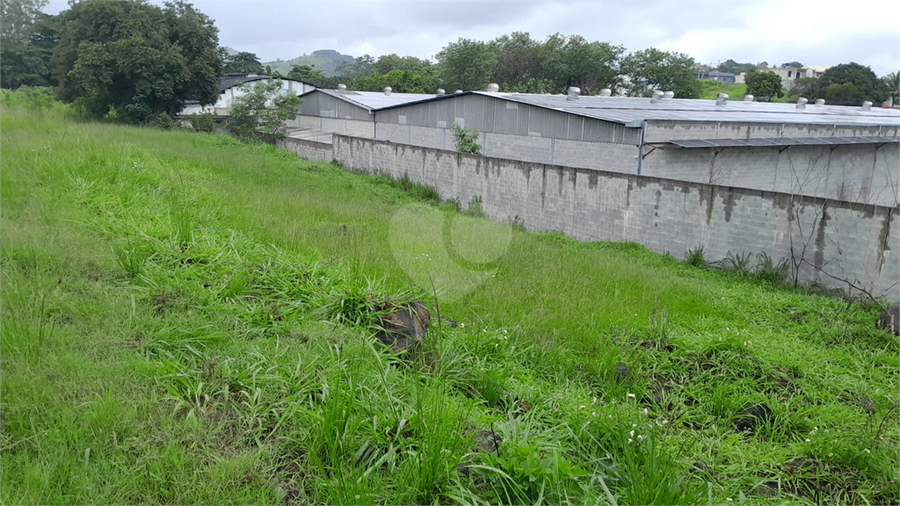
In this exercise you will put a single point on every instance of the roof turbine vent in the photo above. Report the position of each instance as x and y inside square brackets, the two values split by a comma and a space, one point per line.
[440, 92]
[748, 98]
[801, 103]
[387, 90]
[722, 99]
[656, 97]
[867, 106]
[342, 88]
[669, 95]
[820, 101]
[605, 92]
[493, 88]
[573, 92]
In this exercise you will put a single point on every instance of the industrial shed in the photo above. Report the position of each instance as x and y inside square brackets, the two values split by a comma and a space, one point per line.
[324, 112]
[845, 153]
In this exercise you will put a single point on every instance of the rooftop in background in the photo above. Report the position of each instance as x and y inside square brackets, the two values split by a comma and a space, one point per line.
[632, 111]
[232, 80]
[374, 100]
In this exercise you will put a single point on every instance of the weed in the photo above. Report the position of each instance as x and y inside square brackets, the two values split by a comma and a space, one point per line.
[768, 270]
[738, 263]
[695, 257]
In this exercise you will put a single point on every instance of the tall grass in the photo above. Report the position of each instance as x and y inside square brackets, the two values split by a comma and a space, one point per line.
[187, 319]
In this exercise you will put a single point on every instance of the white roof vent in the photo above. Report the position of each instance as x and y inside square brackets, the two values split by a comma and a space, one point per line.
[387, 90]
[342, 88]
[458, 91]
[722, 99]
[669, 95]
[820, 101]
[493, 88]
[573, 93]
[440, 92]
[657, 96]
[801, 103]
[748, 98]
[605, 92]
[867, 106]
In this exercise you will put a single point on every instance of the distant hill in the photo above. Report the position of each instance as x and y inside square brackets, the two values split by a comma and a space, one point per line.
[326, 60]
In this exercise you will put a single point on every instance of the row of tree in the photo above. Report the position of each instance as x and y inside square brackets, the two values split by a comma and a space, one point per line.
[142, 60]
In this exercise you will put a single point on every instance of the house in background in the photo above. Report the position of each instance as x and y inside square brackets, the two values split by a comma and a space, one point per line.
[790, 74]
[230, 89]
[722, 77]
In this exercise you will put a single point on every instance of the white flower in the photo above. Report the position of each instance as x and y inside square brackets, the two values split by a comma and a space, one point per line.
[594, 401]
[630, 396]
[645, 411]
[629, 440]
[868, 450]
[633, 426]
[807, 440]
[461, 325]
[728, 499]
[631, 434]
[831, 455]
[580, 407]
[594, 413]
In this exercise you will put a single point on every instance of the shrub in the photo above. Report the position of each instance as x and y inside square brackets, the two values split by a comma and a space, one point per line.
[768, 270]
[203, 122]
[164, 121]
[695, 257]
[465, 140]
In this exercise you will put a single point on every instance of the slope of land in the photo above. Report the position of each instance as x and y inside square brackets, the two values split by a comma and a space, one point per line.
[187, 319]
[326, 60]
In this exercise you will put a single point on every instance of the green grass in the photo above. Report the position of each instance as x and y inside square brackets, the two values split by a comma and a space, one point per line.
[711, 90]
[187, 319]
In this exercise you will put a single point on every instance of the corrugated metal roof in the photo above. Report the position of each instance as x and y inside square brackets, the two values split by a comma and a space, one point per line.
[634, 110]
[374, 100]
[781, 141]
[232, 80]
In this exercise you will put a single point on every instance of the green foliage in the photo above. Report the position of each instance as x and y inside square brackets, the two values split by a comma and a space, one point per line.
[769, 270]
[695, 257]
[850, 84]
[306, 74]
[764, 86]
[466, 140]
[892, 82]
[112, 115]
[467, 64]
[262, 109]
[653, 69]
[135, 57]
[737, 68]
[164, 121]
[203, 122]
[330, 62]
[574, 61]
[242, 63]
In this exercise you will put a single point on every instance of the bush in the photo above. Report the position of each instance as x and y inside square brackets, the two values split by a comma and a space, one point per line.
[695, 257]
[164, 121]
[465, 140]
[203, 122]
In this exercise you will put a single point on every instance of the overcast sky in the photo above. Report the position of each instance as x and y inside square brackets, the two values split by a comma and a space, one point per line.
[776, 31]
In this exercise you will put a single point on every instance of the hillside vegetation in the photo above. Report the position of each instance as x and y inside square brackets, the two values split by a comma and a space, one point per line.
[326, 60]
[187, 319]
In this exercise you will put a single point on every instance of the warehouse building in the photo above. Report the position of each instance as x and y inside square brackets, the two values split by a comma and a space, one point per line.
[845, 153]
[341, 111]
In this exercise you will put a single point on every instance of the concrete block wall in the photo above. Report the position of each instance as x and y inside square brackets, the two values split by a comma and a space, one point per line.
[595, 155]
[827, 240]
[309, 150]
[355, 128]
[862, 173]
[661, 131]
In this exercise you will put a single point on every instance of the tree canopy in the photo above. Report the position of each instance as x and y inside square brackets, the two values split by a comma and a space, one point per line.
[467, 64]
[27, 38]
[243, 63]
[849, 84]
[764, 85]
[653, 69]
[136, 58]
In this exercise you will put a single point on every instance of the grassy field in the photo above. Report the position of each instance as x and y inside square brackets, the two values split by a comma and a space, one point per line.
[186, 319]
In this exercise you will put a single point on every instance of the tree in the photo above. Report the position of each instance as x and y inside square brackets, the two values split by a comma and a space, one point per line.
[736, 68]
[764, 85]
[263, 109]
[243, 63]
[465, 140]
[892, 81]
[467, 65]
[400, 81]
[135, 58]
[18, 17]
[573, 61]
[652, 69]
[866, 86]
[27, 38]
